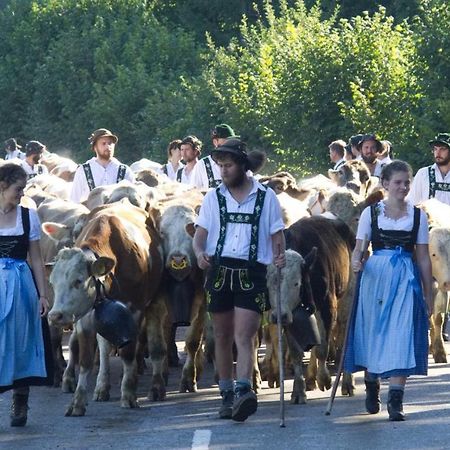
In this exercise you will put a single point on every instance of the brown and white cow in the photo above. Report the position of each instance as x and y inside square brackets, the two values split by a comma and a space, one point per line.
[331, 284]
[115, 246]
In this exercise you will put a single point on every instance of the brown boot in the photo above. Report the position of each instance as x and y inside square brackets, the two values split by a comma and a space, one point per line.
[19, 408]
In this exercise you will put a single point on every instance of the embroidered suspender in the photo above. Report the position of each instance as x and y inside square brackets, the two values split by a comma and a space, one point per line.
[212, 183]
[435, 185]
[248, 218]
[121, 171]
[179, 174]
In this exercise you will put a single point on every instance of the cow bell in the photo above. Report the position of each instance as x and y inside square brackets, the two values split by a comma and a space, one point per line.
[115, 322]
[303, 329]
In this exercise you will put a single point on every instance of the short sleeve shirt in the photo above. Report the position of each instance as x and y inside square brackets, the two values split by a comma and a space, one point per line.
[404, 223]
[420, 188]
[237, 238]
[199, 178]
[17, 230]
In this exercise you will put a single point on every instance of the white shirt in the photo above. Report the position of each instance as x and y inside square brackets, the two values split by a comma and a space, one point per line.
[37, 169]
[385, 160]
[404, 223]
[103, 176]
[237, 237]
[185, 176]
[15, 154]
[199, 178]
[172, 174]
[35, 226]
[420, 187]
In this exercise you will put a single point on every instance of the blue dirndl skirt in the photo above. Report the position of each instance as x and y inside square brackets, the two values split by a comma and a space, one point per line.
[388, 334]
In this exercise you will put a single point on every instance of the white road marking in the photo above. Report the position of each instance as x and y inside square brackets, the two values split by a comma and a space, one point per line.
[201, 439]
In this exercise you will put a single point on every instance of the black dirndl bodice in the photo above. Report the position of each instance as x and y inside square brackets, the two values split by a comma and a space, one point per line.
[391, 239]
[16, 247]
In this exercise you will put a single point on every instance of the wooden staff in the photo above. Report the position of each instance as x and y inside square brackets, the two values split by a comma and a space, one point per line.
[280, 346]
[347, 328]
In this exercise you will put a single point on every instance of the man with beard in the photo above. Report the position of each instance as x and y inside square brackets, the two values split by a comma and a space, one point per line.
[33, 154]
[191, 148]
[101, 170]
[434, 181]
[369, 147]
[206, 174]
[239, 232]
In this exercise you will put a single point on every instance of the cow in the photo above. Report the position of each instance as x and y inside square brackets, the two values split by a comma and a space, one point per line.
[331, 283]
[438, 214]
[52, 185]
[118, 248]
[291, 209]
[175, 222]
[69, 218]
[354, 175]
[285, 182]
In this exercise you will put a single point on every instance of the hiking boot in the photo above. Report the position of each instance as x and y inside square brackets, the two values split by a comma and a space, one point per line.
[225, 410]
[395, 405]
[245, 404]
[373, 401]
[19, 410]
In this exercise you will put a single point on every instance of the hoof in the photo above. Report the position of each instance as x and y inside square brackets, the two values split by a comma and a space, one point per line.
[156, 395]
[298, 399]
[68, 385]
[75, 411]
[129, 402]
[187, 386]
[440, 357]
[311, 385]
[101, 396]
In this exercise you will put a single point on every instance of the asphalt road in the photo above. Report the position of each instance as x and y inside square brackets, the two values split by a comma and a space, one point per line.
[189, 421]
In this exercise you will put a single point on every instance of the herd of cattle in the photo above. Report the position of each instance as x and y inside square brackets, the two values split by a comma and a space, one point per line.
[137, 240]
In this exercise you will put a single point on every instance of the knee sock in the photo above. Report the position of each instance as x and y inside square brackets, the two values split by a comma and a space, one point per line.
[226, 385]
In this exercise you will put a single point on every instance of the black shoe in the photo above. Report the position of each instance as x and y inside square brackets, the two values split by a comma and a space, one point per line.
[395, 405]
[245, 404]
[373, 401]
[225, 410]
[19, 410]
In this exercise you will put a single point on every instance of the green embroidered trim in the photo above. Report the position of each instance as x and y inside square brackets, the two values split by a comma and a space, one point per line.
[212, 183]
[436, 185]
[208, 297]
[251, 219]
[89, 177]
[220, 278]
[244, 280]
[260, 300]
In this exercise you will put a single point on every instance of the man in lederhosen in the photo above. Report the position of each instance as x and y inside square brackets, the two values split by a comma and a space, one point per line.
[206, 174]
[434, 181]
[33, 154]
[239, 232]
[102, 169]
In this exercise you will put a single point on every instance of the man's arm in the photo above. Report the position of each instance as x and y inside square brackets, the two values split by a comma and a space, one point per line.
[279, 249]
[199, 245]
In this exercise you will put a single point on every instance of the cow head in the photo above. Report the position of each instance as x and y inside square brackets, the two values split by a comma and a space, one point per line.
[290, 284]
[73, 279]
[439, 249]
[176, 228]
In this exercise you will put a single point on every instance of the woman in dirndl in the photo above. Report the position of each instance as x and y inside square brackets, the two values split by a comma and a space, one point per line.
[388, 336]
[23, 298]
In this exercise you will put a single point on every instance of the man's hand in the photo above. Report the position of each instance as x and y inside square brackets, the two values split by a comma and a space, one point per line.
[280, 260]
[203, 261]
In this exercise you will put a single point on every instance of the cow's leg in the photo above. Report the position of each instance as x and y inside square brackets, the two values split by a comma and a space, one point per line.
[311, 371]
[321, 352]
[102, 387]
[194, 338]
[68, 380]
[437, 321]
[273, 370]
[298, 395]
[155, 316]
[86, 340]
[257, 380]
[128, 387]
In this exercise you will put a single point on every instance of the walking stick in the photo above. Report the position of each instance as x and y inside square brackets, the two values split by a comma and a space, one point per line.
[347, 328]
[280, 345]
